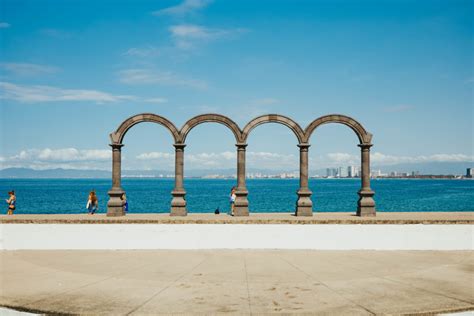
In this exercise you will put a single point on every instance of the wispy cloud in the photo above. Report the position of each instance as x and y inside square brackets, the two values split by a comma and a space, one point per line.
[38, 93]
[155, 100]
[146, 76]
[26, 69]
[185, 7]
[148, 51]
[4, 25]
[398, 108]
[55, 33]
[186, 36]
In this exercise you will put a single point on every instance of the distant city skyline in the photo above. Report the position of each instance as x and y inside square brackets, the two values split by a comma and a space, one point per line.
[71, 73]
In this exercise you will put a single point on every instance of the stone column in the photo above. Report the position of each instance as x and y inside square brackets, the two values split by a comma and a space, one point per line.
[115, 203]
[241, 206]
[366, 203]
[304, 205]
[178, 203]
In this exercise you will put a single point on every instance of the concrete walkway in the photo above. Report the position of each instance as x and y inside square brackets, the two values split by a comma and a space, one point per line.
[237, 281]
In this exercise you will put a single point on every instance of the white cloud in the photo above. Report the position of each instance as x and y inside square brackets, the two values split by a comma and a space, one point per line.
[155, 155]
[192, 31]
[156, 100]
[146, 76]
[149, 51]
[67, 158]
[63, 154]
[380, 158]
[26, 69]
[4, 25]
[185, 7]
[186, 36]
[37, 93]
[342, 157]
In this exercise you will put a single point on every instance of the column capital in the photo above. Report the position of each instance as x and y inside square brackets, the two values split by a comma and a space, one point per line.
[179, 146]
[241, 145]
[116, 146]
[304, 146]
[365, 146]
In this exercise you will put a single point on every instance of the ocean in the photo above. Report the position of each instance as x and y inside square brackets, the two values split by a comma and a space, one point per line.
[69, 196]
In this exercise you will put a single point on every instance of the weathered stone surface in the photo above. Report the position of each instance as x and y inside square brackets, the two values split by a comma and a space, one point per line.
[274, 118]
[178, 203]
[213, 118]
[304, 205]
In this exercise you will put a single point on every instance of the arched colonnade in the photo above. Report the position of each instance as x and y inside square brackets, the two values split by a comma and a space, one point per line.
[304, 205]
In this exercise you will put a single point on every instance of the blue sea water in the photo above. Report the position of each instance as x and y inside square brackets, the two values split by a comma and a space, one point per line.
[50, 196]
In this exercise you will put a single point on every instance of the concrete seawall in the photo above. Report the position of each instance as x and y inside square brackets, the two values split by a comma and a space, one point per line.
[411, 231]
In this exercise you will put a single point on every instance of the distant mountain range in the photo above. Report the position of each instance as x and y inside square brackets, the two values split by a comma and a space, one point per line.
[438, 168]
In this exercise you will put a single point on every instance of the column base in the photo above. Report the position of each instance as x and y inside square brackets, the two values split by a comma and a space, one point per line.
[366, 203]
[304, 205]
[115, 205]
[241, 204]
[178, 203]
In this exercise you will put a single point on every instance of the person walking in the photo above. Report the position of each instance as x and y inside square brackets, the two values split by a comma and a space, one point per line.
[232, 200]
[11, 202]
[92, 203]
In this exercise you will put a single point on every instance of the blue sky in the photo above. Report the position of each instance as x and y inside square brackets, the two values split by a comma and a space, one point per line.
[72, 71]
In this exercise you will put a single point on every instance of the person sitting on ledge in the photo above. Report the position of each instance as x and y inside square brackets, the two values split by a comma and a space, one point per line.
[11, 202]
[92, 203]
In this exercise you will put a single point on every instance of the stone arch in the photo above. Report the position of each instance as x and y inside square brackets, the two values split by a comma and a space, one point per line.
[204, 118]
[364, 136]
[273, 118]
[117, 136]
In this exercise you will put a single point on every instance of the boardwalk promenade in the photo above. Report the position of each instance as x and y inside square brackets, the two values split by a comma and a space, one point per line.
[140, 281]
[241, 282]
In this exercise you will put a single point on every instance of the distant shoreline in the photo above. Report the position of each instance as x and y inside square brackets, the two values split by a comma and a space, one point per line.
[232, 178]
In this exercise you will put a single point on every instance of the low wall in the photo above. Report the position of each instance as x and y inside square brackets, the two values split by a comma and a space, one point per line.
[236, 236]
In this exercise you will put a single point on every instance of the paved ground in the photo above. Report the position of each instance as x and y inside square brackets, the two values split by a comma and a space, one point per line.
[237, 281]
[254, 218]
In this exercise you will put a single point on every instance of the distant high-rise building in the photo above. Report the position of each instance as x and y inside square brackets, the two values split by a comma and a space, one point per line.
[351, 171]
[342, 172]
[469, 173]
[331, 172]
